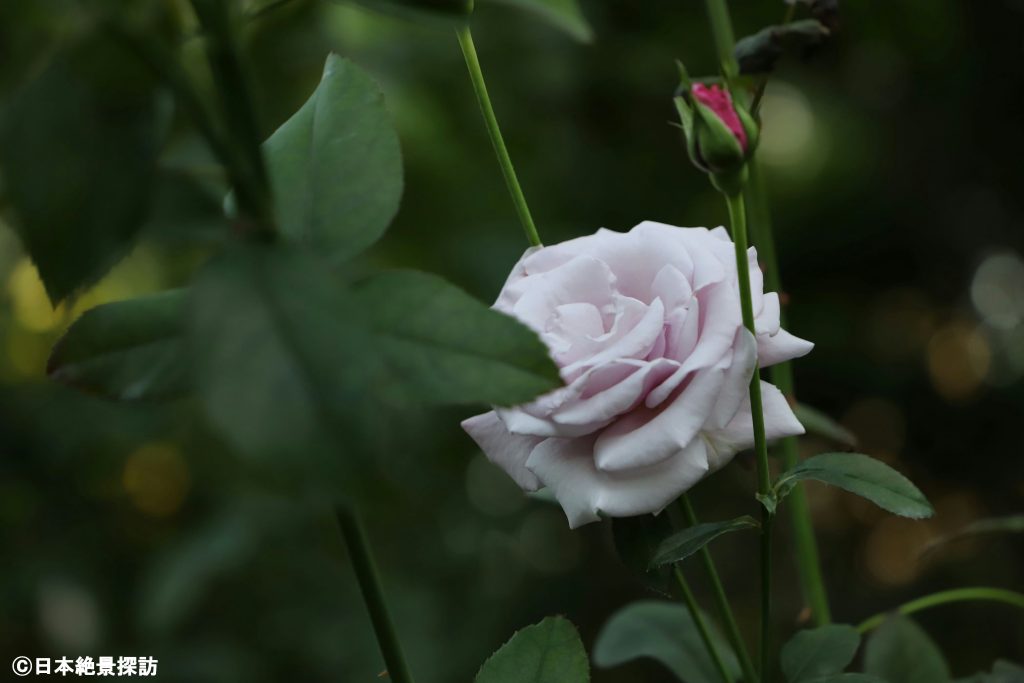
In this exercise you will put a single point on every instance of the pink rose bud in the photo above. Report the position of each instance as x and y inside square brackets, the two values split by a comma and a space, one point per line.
[719, 101]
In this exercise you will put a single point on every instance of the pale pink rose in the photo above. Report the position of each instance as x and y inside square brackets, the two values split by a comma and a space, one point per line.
[646, 329]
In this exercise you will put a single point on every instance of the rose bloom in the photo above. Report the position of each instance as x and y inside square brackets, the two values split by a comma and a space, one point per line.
[646, 329]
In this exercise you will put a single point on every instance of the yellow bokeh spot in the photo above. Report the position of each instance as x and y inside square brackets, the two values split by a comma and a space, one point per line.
[893, 548]
[959, 357]
[26, 354]
[156, 478]
[29, 302]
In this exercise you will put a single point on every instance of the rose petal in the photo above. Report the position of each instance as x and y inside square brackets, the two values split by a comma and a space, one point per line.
[507, 451]
[736, 384]
[720, 313]
[582, 280]
[629, 338]
[781, 346]
[566, 466]
[779, 422]
[766, 321]
[644, 436]
[556, 414]
[615, 400]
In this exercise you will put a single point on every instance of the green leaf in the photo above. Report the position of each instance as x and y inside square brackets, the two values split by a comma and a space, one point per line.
[77, 150]
[562, 14]
[443, 346]
[864, 476]
[899, 651]
[665, 632]
[1013, 524]
[280, 368]
[848, 678]
[335, 165]
[682, 544]
[758, 53]
[815, 653]
[548, 652]
[817, 422]
[126, 350]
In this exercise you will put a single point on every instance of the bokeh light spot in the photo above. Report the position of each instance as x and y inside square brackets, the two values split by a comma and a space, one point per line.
[156, 478]
[959, 357]
[788, 137]
[997, 290]
[892, 549]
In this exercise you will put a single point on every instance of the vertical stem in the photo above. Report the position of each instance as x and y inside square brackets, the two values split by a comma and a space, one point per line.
[732, 629]
[239, 114]
[808, 560]
[702, 627]
[737, 217]
[369, 583]
[721, 29]
[476, 76]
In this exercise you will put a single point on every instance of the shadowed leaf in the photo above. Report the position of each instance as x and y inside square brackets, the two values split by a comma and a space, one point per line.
[664, 632]
[444, 346]
[77, 148]
[548, 652]
[335, 165]
[682, 544]
[813, 654]
[126, 350]
[759, 52]
[899, 651]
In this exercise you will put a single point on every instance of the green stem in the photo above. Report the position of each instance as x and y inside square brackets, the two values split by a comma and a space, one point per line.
[737, 217]
[476, 76]
[721, 29]
[808, 559]
[236, 102]
[167, 69]
[945, 597]
[732, 629]
[702, 627]
[369, 583]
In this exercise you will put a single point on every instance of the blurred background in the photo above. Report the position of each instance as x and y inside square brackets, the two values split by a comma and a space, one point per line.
[894, 165]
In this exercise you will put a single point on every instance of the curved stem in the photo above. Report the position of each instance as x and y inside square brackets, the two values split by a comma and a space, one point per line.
[702, 627]
[494, 131]
[738, 219]
[807, 556]
[373, 594]
[945, 597]
[732, 629]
